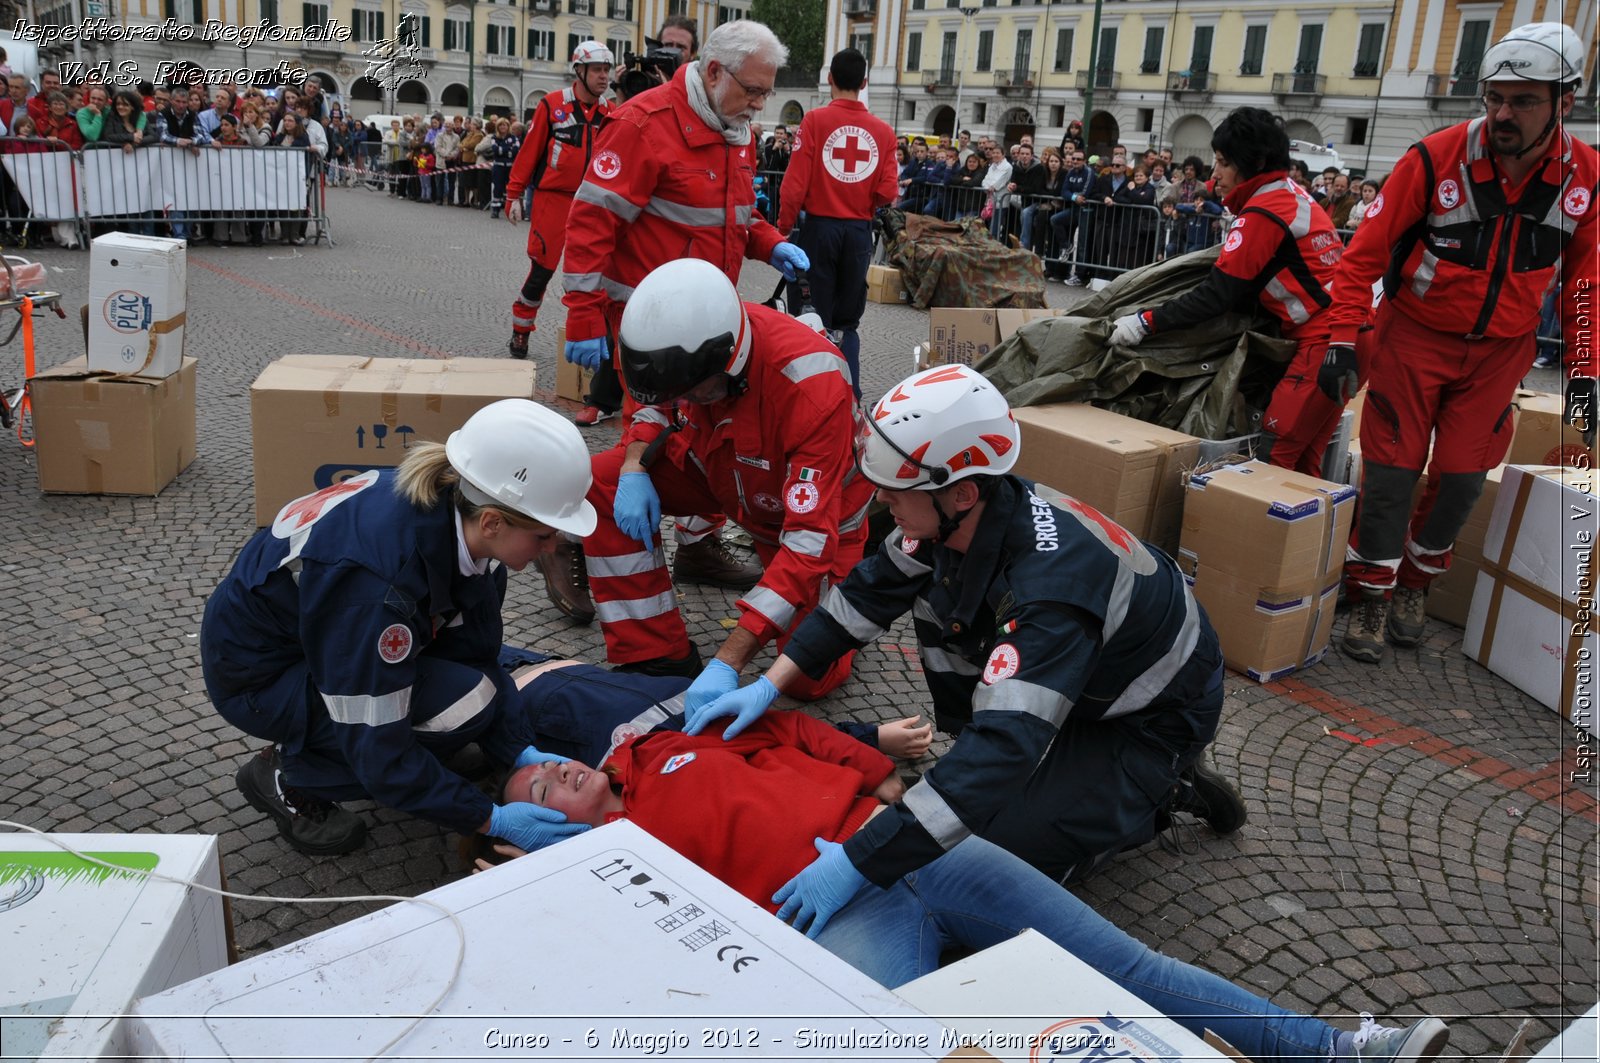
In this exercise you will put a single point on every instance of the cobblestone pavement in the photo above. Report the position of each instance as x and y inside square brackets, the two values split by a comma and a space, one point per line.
[1445, 864]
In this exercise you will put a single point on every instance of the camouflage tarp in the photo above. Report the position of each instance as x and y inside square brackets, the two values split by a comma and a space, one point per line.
[1210, 381]
[946, 263]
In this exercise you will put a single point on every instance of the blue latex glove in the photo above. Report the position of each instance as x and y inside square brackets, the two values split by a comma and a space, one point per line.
[531, 827]
[533, 755]
[718, 679]
[587, 353]
[813, 896]
[637, 508]
[786, 258]
[745, 704]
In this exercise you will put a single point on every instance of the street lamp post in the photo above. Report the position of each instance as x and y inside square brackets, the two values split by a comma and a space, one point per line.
[1094, 71]
[966, 19]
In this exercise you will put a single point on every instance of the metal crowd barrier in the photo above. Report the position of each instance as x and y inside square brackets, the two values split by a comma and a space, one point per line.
[226, 194]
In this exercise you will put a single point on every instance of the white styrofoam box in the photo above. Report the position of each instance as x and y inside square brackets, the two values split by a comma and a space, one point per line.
[1028, 999]
[1529, 621]
[603, 944]
[138, 289]
[85, 942]
[1336, 459]
[1578, 1043]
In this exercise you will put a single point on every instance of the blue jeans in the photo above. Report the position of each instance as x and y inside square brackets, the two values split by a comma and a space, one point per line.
[977, 895]
[1028, 214]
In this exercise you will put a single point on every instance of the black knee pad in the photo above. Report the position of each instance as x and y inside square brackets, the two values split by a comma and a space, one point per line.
[1385, 509]
[1458, 493]
[538, 280]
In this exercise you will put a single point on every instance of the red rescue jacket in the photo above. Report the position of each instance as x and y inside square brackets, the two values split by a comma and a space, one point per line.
[843, 165]
[560, 139]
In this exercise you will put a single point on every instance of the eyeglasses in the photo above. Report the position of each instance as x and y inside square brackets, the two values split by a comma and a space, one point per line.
[754, 95]
[1520, 104]
[1077, 158]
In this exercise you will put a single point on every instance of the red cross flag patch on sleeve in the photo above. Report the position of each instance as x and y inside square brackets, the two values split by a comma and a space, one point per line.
[394, 645]
[1004, 663]
[803, 497]
[607, 165]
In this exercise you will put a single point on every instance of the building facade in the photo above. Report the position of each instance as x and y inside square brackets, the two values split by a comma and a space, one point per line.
[1365, 77]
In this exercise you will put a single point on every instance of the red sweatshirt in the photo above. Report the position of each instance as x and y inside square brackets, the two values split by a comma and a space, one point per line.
[843, 165]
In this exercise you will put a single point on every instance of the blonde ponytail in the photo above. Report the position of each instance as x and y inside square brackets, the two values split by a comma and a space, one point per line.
[426, 476]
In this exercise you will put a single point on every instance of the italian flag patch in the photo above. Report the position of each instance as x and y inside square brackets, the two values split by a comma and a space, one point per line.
[1008, 627]
[808, 475]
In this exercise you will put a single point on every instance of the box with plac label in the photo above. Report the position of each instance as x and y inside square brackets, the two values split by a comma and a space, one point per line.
[137, 297]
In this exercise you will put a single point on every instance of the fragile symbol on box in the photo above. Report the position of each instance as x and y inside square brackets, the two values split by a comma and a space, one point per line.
[380, 431]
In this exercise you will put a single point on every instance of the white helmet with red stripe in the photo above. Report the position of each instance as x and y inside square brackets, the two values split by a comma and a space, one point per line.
[592, 52]
[937, 427]
[683, 324]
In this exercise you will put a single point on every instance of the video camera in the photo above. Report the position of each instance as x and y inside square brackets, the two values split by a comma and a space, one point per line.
[640, 72]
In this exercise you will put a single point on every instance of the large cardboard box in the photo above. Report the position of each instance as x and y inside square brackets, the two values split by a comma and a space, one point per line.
[1531, 620]
[318, 419]
[1264, 548]
[86, 941]
[1450, 595]
[1027, 1000]
[960, 335]
[1008, 321]
[885, 285]
[99, 435]
[1540, 437]
[138, 289]
[1131, 471]
[603, 945]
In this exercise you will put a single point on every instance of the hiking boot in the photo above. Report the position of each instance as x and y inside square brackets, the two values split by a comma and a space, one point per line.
[1363, 634]
[518, 345]
[590, 416]
[310, 824]
[566, 577]
[1207, 795]
[713, 563]
[1423, 1040]
[1406, 616]
[687, 666]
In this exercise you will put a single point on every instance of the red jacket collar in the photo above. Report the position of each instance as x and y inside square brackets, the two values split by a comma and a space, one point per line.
[1242, 192]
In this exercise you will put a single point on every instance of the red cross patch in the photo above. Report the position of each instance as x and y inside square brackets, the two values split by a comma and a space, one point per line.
[308, 509]
[607, 165]
[1576, 203]
[850, 154]
[1004, 663]
[394, 645]
[803, 497]
[1116, 533]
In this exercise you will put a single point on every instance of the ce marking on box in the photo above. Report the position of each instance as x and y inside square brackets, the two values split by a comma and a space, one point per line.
[738, 962]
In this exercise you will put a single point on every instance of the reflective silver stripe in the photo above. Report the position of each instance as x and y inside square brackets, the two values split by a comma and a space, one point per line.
[596, 282]
[770, 604]
[626, 564]
[365, 708]
[1422, 279]
[652, 415]
[809, 543]
[1018, 695]
[1420, 558]
[463, 712]
[1300, 224]
[1291, 302]
[923, 611]
[851, 523]
[605, 199]
[1154, 680]
[1475, 149]
[935, 815]
[744, 212]
[938, 660]
[809, 365]
[1117, 604]
[904, 561]
[684, 214]
[645, 722]
[836, 605]
[636, 608]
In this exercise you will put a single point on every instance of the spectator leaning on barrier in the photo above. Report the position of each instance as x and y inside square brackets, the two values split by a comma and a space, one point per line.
[91, 117]
[1341, 200]
[1476, 223]
[447, 156]
[124, 127]
[1369, 192]
[39, 103]
[1075, 183]
[15, 101]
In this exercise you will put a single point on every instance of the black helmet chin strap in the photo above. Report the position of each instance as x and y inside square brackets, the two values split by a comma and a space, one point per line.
[1557, 90]
[949, 523]
[938, 476]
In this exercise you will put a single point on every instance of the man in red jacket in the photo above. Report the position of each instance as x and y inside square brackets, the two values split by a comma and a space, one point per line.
[554, 155]
[1475, 224]
[766, 432]
[842, 170]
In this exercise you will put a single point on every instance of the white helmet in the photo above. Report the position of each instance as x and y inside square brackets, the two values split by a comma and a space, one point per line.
[937, 427]
[1539, 51]
[683, 324]
[517, 455]
[592, 52]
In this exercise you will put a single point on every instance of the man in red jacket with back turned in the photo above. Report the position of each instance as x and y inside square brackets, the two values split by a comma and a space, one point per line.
[1475, 225]
[842, 170]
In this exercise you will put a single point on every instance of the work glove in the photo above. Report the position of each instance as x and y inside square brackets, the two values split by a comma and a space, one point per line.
[786, 258]
[587, 353]
[1131, 329]
[745, 705]
[1338, 377]
[637, 509]
[812, 897]
[719, 678]
[1581, 406]
[533, 755]
[531, 827]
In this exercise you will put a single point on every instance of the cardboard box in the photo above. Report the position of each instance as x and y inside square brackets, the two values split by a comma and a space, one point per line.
[1008, 321]
[1028, 999]
[1264, 549]
[572, 381]
[884, 285]
[960, 335]
[1531, 618]
[610, 933]
[100, 435]
[1450, 596]
[318, 419]
[1131, 471]
[87, 941]
[1540, 437]
[138, 289]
